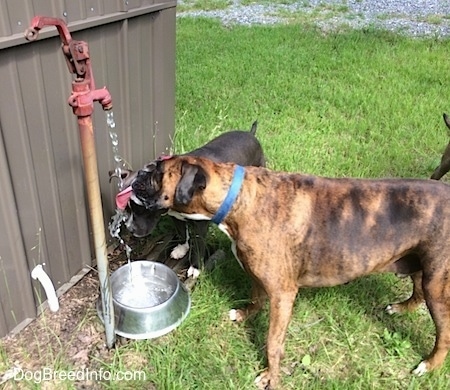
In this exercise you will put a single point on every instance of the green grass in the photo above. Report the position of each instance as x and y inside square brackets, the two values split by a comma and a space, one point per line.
[358, 103]
[349, 104]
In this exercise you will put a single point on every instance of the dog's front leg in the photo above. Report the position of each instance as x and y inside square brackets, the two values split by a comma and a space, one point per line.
[281, 305]
[198, 246]
[182, 230]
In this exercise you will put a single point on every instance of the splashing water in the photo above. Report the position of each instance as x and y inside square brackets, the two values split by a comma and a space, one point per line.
[120, 216]
[114, 230]
[143, 292]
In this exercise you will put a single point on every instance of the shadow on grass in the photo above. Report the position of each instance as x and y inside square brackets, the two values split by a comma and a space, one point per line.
[370, 296]
[365, 297]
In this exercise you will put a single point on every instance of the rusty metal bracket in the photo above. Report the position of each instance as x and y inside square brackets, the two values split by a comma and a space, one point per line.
[76, 54]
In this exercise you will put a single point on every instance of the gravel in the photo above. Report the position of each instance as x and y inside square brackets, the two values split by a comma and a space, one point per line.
[418, 18]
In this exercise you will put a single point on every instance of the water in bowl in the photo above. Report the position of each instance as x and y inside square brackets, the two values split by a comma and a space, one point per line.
[142, 292]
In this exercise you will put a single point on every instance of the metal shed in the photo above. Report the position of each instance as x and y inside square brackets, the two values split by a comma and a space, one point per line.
[43, 214]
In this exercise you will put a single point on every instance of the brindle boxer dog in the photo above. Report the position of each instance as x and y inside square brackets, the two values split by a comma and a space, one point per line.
[318, 232]
[444, 166]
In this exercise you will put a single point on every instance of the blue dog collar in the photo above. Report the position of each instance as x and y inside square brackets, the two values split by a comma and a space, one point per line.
[233, 191]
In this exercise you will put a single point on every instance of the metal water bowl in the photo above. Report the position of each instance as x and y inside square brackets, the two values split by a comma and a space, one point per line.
[148, 298]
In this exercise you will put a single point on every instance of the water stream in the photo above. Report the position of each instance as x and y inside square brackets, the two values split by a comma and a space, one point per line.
[119, 163]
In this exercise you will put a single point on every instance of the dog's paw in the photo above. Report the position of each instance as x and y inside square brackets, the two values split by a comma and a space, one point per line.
[392, 309]
[420, 369]
[262, 381]
[193, 272]
[236, 315]
[179, 251]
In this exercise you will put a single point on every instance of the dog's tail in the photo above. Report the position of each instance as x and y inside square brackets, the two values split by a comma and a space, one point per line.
[254, 126]
[446, 120]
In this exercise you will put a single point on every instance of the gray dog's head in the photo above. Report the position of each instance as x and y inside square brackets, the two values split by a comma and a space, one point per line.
[140, 220]
[147, 185]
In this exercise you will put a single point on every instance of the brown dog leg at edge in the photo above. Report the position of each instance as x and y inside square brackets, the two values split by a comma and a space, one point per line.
[444, 166]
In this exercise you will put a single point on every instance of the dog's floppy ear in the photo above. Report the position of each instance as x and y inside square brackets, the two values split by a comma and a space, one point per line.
[193, 179]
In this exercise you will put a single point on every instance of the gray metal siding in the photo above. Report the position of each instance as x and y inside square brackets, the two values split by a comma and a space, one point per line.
[43, 214]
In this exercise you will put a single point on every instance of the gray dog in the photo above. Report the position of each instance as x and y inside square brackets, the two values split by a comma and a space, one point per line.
[239, 147]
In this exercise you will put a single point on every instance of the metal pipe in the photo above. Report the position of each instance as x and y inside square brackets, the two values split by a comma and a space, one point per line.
[97, 223]
[82, 102]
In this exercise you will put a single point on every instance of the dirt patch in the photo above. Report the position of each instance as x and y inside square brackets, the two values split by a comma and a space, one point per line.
[73, 338]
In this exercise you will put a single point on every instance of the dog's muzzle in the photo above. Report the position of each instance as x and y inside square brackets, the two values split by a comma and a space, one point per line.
[144, 192]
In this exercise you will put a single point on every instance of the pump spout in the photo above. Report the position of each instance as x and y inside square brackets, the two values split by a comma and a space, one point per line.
[82, 98]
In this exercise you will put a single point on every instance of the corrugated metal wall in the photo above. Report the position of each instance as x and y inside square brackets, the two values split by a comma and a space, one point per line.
[43, 214]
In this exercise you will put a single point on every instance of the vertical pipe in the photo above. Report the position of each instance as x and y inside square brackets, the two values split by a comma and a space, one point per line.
[97, 222]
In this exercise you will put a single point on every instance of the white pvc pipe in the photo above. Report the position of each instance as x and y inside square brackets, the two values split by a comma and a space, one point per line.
[39, 274]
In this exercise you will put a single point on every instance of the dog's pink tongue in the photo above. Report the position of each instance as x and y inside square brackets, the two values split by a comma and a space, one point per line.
[123, 197]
